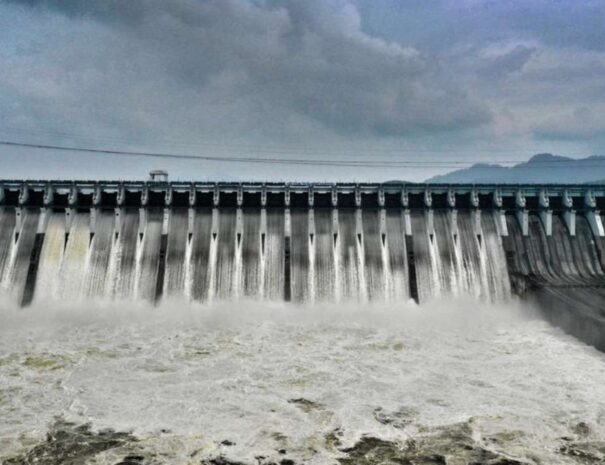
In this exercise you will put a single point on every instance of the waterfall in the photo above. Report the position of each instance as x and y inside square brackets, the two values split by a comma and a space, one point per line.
[200, 264]
[48, 277]
[397, 256]
[19, 262]
[224, 277]
[125, 253]
[176, 254]
[273, 280]
[76, 258]
[324, 261]
[101, 255]
[253, 245]
[348, 256]
[7, 246]
[324, 254]
[300, 255]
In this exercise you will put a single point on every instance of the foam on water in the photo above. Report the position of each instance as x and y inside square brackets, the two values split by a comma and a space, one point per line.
[244, 372]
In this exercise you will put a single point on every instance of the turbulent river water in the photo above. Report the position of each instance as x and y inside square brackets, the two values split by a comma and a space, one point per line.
[447, 382]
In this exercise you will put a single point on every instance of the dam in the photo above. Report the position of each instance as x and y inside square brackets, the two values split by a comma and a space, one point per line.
[66, 241]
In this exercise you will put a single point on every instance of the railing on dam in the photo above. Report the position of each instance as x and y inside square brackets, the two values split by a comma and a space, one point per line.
[521, 200]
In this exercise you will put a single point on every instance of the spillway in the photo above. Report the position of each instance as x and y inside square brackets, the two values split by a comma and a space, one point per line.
[307, 243]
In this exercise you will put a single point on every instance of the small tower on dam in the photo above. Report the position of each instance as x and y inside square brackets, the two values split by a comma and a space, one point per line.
[158, 176]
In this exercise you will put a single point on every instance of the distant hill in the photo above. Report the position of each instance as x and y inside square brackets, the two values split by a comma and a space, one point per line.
[540, 169]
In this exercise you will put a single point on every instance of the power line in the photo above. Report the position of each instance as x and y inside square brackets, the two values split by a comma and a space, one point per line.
[267, 160]
[253, 148]
[598, 163]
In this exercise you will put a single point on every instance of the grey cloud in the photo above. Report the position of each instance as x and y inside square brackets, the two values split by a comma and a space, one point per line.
[439, 24]
[575, 124]
[257, 65]
[454, 76]
[513, 61]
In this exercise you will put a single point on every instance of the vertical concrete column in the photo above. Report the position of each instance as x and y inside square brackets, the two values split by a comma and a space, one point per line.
[48, 195]
[240, 196]
[23, 194]
[72, 197]
[428, 203]
[545, 211]
[382, 215]
[97, 195]
[192, 196]
[521, 211]
[287, 197]
[405, 204]
[168, 196]
[452, 213]
[499, 215]
[381, 199]
[145, 196]
[592, 214]
[569, 216]
[475, 211]
[121, 196]
[216, 196]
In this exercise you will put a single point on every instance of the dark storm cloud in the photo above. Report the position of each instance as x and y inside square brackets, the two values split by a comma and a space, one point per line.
[343, 75]
[268, 62]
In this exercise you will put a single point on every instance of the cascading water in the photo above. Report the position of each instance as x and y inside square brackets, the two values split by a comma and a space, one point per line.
[75, 257]
[101, 263]
[373, 257]
[124, 254]
[7, 240]
[300, 254]
[349, 257]
[17, 275]
[176, 254]
[299, 246]
[397, 256]
[48, 277]
[224, 278]
[273, 256]
[200, 264]
[324, 270]
[253, 244]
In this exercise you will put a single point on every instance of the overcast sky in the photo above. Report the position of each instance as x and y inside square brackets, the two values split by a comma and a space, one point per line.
[444, 81]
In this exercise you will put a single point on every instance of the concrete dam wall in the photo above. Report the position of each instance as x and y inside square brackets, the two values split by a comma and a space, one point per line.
[70, 241]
